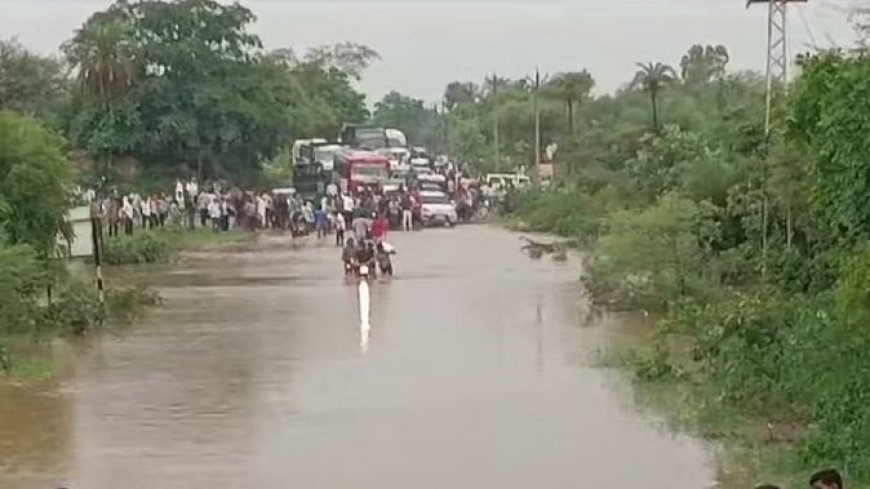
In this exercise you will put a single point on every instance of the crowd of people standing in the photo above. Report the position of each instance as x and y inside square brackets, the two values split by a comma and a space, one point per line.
[191, 205]
[369, 212]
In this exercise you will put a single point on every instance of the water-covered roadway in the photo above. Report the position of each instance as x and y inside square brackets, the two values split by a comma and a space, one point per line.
[256, 374]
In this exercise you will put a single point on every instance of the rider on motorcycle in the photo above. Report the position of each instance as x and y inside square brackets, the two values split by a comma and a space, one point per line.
[365, 255]
[347, 256]
[384, 261]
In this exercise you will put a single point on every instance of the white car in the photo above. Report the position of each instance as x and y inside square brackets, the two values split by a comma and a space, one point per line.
[436, 208]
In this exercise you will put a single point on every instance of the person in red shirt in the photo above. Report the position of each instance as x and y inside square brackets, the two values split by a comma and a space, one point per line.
[379, 228]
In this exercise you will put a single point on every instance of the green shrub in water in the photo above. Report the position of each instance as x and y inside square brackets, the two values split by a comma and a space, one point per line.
[23, 280]
[142, 247]
[127, 303]
[568, 213]
[655, 366]
[76, 310]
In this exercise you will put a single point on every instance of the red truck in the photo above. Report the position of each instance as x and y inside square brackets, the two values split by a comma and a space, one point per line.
[360, 169]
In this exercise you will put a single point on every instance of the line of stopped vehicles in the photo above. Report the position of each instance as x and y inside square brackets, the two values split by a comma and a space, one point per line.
[368, 160]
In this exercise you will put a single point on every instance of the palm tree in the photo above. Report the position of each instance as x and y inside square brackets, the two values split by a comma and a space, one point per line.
[571, 88]
[460, 93]
[493, 83]
[100, 53]
[651, 78]
[702, 64]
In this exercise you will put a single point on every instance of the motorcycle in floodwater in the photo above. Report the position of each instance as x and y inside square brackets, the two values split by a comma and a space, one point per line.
[362, 273]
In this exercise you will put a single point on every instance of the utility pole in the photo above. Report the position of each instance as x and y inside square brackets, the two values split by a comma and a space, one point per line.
[446, 128]
[537, 118]
[495, 117]
[97, 244]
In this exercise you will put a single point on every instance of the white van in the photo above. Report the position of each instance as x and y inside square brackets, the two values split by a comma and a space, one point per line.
[502, 180]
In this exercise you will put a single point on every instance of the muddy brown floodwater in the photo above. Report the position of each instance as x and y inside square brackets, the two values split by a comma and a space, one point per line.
[476, 374]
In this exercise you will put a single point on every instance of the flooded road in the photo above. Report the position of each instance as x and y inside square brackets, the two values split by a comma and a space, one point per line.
[473, 371]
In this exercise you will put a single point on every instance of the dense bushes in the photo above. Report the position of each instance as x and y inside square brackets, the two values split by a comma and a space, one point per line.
[74, 308]
[142, 247]
[654, 255]
[22, 277]
[36, 304]
[757, 250]
[788, 359]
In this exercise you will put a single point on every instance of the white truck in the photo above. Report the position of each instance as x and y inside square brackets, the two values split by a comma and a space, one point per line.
[302, 150]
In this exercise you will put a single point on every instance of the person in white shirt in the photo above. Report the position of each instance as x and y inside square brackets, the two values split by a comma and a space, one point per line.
[214, 212]
[192, 188]
[145, 209]
[202, 202]
[347, 207]
[261, 211]
[340, 225]
[127, 214]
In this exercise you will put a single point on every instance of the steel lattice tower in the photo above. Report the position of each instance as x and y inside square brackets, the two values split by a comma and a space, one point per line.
[777, 50]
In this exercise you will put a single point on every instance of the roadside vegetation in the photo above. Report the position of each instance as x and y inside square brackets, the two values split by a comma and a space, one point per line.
[754, 248]
[39, 298]
[161, 246]
[751, 245]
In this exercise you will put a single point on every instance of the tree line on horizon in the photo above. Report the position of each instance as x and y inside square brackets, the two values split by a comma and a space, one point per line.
[470, 114]
[140, 82]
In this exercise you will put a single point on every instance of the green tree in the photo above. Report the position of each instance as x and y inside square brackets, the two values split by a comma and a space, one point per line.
[348, 57]
[418, 122]
[656, 255]
[831, 114]
[30, 83]
[101, 52]
[652, 78]
[572, 89]
[329, 99]
[460, 93]
[703, 64]
[656, 167]
[184, 84]
[34, 183]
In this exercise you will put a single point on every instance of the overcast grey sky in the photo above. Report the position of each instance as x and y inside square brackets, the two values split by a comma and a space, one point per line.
[426, 44]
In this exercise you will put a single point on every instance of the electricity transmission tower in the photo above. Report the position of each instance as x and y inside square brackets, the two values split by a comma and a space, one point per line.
[777, 76]
[777, 50]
